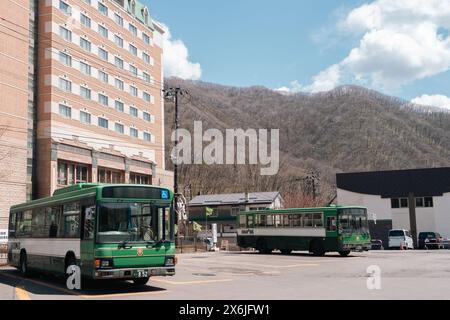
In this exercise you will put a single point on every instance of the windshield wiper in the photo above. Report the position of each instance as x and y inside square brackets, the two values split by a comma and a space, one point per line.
[157, 243]
[123, 244]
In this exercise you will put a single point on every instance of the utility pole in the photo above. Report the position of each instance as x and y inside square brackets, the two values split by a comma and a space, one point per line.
[172, 94]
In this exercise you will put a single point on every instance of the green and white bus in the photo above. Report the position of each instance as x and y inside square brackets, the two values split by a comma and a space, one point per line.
[317, 230]
[108, 231]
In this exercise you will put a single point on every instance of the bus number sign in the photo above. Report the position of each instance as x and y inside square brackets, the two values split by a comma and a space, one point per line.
[247, 231]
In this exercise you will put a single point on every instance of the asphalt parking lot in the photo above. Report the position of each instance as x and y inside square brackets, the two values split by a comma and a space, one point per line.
[225, 276]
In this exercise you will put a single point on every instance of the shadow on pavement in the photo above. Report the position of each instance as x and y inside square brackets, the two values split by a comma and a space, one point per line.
[41, 284]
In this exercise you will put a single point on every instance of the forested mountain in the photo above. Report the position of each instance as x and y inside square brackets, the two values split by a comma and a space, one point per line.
[347, 129]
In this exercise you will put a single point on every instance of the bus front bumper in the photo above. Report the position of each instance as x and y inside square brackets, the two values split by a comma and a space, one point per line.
[355, 247]
[134, 273]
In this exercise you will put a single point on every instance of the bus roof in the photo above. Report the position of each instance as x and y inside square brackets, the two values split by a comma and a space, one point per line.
[293, 210]
[77, 192]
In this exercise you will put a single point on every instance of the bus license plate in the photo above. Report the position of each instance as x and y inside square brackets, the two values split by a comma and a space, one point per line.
[359, 248]
[140, 273]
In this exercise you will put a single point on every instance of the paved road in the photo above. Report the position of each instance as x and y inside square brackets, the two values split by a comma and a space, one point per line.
[223, 276]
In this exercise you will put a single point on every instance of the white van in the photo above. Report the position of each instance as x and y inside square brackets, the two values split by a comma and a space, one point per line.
[399, 237]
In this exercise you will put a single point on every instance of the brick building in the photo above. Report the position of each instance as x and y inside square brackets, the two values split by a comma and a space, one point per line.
[91, 108]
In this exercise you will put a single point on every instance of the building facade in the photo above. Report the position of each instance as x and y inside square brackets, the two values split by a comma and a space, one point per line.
[17, 103]
[387, 196]
[95, 81]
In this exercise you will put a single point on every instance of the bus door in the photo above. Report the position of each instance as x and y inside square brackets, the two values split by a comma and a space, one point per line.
[331, 226]
[87, 246]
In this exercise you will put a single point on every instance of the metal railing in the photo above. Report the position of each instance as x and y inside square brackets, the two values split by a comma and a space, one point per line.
[190, 244]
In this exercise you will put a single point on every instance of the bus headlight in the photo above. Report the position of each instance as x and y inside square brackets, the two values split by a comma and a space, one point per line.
[103, 263]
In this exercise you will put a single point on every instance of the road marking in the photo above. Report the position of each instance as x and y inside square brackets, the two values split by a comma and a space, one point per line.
[61, 289]
[112, 295]
[191, 282]
[22, 294]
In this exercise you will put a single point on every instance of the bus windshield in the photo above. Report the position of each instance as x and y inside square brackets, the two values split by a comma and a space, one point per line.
[132, 222]
[353, 221]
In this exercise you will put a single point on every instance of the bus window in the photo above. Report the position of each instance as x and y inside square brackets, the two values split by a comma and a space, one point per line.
[24, 223]
[296, 221]
[12, 225]
[307, 220]
[278, 220]
[269, 221]
[38, 224]
[242, 221]
[53, 218]
[286, 220]
[331, 224]
[88, 230]
[250, 221]
[318, 220]
[71, 220]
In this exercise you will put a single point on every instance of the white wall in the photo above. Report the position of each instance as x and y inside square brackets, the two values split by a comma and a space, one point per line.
[428, 219]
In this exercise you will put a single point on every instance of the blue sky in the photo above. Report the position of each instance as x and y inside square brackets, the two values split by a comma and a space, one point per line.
[399, 49]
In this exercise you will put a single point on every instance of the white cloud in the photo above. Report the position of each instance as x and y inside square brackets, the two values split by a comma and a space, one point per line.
[295, 87]
[439, 101]
[400, 41]
[176, 59]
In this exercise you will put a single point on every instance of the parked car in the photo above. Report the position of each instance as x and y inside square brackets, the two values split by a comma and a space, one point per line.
[446, 243]
[399, 238]
[376, 244]
[430, 240]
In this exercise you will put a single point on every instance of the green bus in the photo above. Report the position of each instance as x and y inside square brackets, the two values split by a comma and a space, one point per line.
[317, 230]
[108, 231]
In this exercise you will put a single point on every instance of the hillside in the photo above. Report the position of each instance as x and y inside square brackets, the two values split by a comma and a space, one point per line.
[347, 129]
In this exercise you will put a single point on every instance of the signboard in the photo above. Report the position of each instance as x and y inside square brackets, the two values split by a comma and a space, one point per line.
[3, 236]
[214, 232]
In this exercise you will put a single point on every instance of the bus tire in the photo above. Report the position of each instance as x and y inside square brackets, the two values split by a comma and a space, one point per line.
[344, 253]
[286, 251]
[23, 264]
[141, 281]
[317, 248]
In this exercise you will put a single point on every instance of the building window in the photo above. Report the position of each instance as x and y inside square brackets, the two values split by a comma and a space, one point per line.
[146, 57]
[404, 203]
[103, 31]
[85, 44]
[147, 97]
[147, 77]
[119, 128]
[85, 21]
[85, 93]
[103, 123]
[118, 19]
[147, 137]
[119, 106]
[133, 50]
[103, 54]
[118, 62]
[72, 173]
[133, 91]
[119, 84]
[85, 68]
[136, 178]
[66, 34]
[65, 85]
[134, 112]
[428, 202]
[102, 9]
[65, 59]
[419, 203]
[134, 132]
[133, 30]
[146, 38]
[110, 176]
[85, 117]
[65, 111]
[133, 70]
[147, 117]
[102, 76]
[102, 99]
[64, 7]
[395, 203]
[118, 40]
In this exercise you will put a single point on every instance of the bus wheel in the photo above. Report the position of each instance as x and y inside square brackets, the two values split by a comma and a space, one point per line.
[344, 253]
[286, 251]
[141, 281]
[23, 264]
[317, 249]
